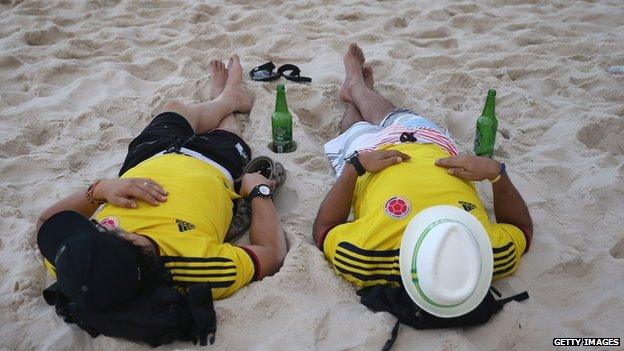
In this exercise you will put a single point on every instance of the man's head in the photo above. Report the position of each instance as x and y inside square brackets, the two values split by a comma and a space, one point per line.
[95, 268]
[446, 261]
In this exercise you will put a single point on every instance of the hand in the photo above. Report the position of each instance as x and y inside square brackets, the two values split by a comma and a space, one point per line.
[375, 161]
[470, 167]
[124, 192]
[251, 180]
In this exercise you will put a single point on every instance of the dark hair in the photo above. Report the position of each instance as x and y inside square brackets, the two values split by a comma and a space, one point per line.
[151, 267]
[153, 271]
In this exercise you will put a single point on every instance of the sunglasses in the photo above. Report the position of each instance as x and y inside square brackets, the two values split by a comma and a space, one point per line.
[265, 73]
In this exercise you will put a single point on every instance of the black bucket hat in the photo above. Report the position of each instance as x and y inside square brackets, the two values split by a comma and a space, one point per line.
[94, 269]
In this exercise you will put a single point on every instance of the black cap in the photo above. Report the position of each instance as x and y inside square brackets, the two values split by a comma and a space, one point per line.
[94, 270]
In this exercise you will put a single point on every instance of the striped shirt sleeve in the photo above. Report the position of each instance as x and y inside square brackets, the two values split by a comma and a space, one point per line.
[508, 244]
[226, 268]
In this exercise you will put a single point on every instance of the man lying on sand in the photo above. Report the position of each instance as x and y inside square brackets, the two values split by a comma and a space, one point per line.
[392, 163]
[174, 199]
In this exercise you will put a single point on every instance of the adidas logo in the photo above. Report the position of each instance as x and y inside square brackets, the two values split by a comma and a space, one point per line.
[467, 206]
[184, 226]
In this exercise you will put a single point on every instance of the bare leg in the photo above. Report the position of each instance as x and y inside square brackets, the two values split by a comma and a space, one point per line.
[372, 106]
[352, 114]
[219, 74]
[206, 116]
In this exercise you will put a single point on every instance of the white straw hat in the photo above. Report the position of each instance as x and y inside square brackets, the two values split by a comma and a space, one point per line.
[446, 261]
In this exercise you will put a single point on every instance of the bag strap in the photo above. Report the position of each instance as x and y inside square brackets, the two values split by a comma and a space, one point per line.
[517, 297]
[199, 298]
[54, 297]
[393, 336]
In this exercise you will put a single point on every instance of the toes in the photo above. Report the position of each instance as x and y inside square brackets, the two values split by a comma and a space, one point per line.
[234, 60]
[352, 49]
[360, 55]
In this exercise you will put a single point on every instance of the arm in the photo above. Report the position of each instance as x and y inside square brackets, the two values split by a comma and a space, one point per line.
[75, 202]
[265, 234]
[509, 207]
[335, 207]
[120, 192]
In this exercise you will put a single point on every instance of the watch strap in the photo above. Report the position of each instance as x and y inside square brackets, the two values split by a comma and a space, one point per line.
[255, 192]
[355, 161]
[500, 174]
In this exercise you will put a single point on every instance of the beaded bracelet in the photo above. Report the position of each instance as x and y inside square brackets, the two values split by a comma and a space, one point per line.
[500, 174]
[89, 194]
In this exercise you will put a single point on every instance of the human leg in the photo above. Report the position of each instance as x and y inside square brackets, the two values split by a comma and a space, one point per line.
[206, 116]
[352, 115]
[371, 105]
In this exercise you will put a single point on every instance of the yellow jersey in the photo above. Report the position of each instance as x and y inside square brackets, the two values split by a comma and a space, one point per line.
[189, 228]
[366, 251]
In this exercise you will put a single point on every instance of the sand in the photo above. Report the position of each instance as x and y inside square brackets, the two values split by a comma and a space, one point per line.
[79, 80]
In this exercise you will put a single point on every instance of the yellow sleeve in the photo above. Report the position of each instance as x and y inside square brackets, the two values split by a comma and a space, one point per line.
[50, 267]
[333, 237]
[226, 268]
[508, 244]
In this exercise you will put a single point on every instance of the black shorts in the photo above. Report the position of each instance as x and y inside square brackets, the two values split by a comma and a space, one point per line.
[170, 131]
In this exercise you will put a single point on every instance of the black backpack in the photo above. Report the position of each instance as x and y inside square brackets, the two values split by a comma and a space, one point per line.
[156, 315]
[396, 301]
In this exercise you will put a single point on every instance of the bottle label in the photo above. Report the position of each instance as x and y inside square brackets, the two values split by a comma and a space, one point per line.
[281, 140]
[477, 140]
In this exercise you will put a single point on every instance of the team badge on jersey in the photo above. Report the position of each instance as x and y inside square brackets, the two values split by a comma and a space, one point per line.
[110, 222]
[397, 207]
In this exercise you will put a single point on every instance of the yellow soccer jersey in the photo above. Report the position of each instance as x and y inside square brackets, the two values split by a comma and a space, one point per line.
[366, 251]
[190, 227]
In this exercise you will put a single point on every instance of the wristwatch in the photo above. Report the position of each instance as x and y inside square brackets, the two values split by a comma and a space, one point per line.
[261, 190]
[355, 161]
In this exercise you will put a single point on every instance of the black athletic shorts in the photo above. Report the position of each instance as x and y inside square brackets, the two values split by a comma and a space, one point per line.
[170, 131]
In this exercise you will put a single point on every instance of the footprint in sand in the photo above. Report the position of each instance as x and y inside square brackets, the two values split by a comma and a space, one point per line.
[155, 70]
[313, 163]
[396, 24]
[604, 135]
[617, 251]
[575, 267]
[45, 36]
[9, 64]
[472, 23]
[286, 200]
[463, 8]
[434, 33]
[556, 177]
[439, 15]
[433, 63]
[320, 124]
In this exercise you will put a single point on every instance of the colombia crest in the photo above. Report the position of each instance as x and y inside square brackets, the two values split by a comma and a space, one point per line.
[397, 207]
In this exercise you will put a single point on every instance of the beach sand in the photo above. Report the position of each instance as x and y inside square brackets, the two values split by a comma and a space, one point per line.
[80, 79]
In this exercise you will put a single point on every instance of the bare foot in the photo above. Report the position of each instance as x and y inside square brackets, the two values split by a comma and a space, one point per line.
[218, 75]
[354, 64]
[369, 79]
[234, 92]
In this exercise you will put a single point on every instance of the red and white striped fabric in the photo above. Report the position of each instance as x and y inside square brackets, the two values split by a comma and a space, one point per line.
[392, 134]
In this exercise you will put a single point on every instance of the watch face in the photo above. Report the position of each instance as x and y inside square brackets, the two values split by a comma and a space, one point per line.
[264, 190]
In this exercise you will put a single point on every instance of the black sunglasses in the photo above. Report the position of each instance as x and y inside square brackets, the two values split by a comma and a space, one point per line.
[265, 73]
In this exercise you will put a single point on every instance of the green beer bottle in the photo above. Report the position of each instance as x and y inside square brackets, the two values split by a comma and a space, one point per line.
[281, 123]
[486, 128]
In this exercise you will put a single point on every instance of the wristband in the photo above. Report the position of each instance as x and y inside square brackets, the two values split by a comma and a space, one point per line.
[89, 194]
[500, 174]
[355, 161]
